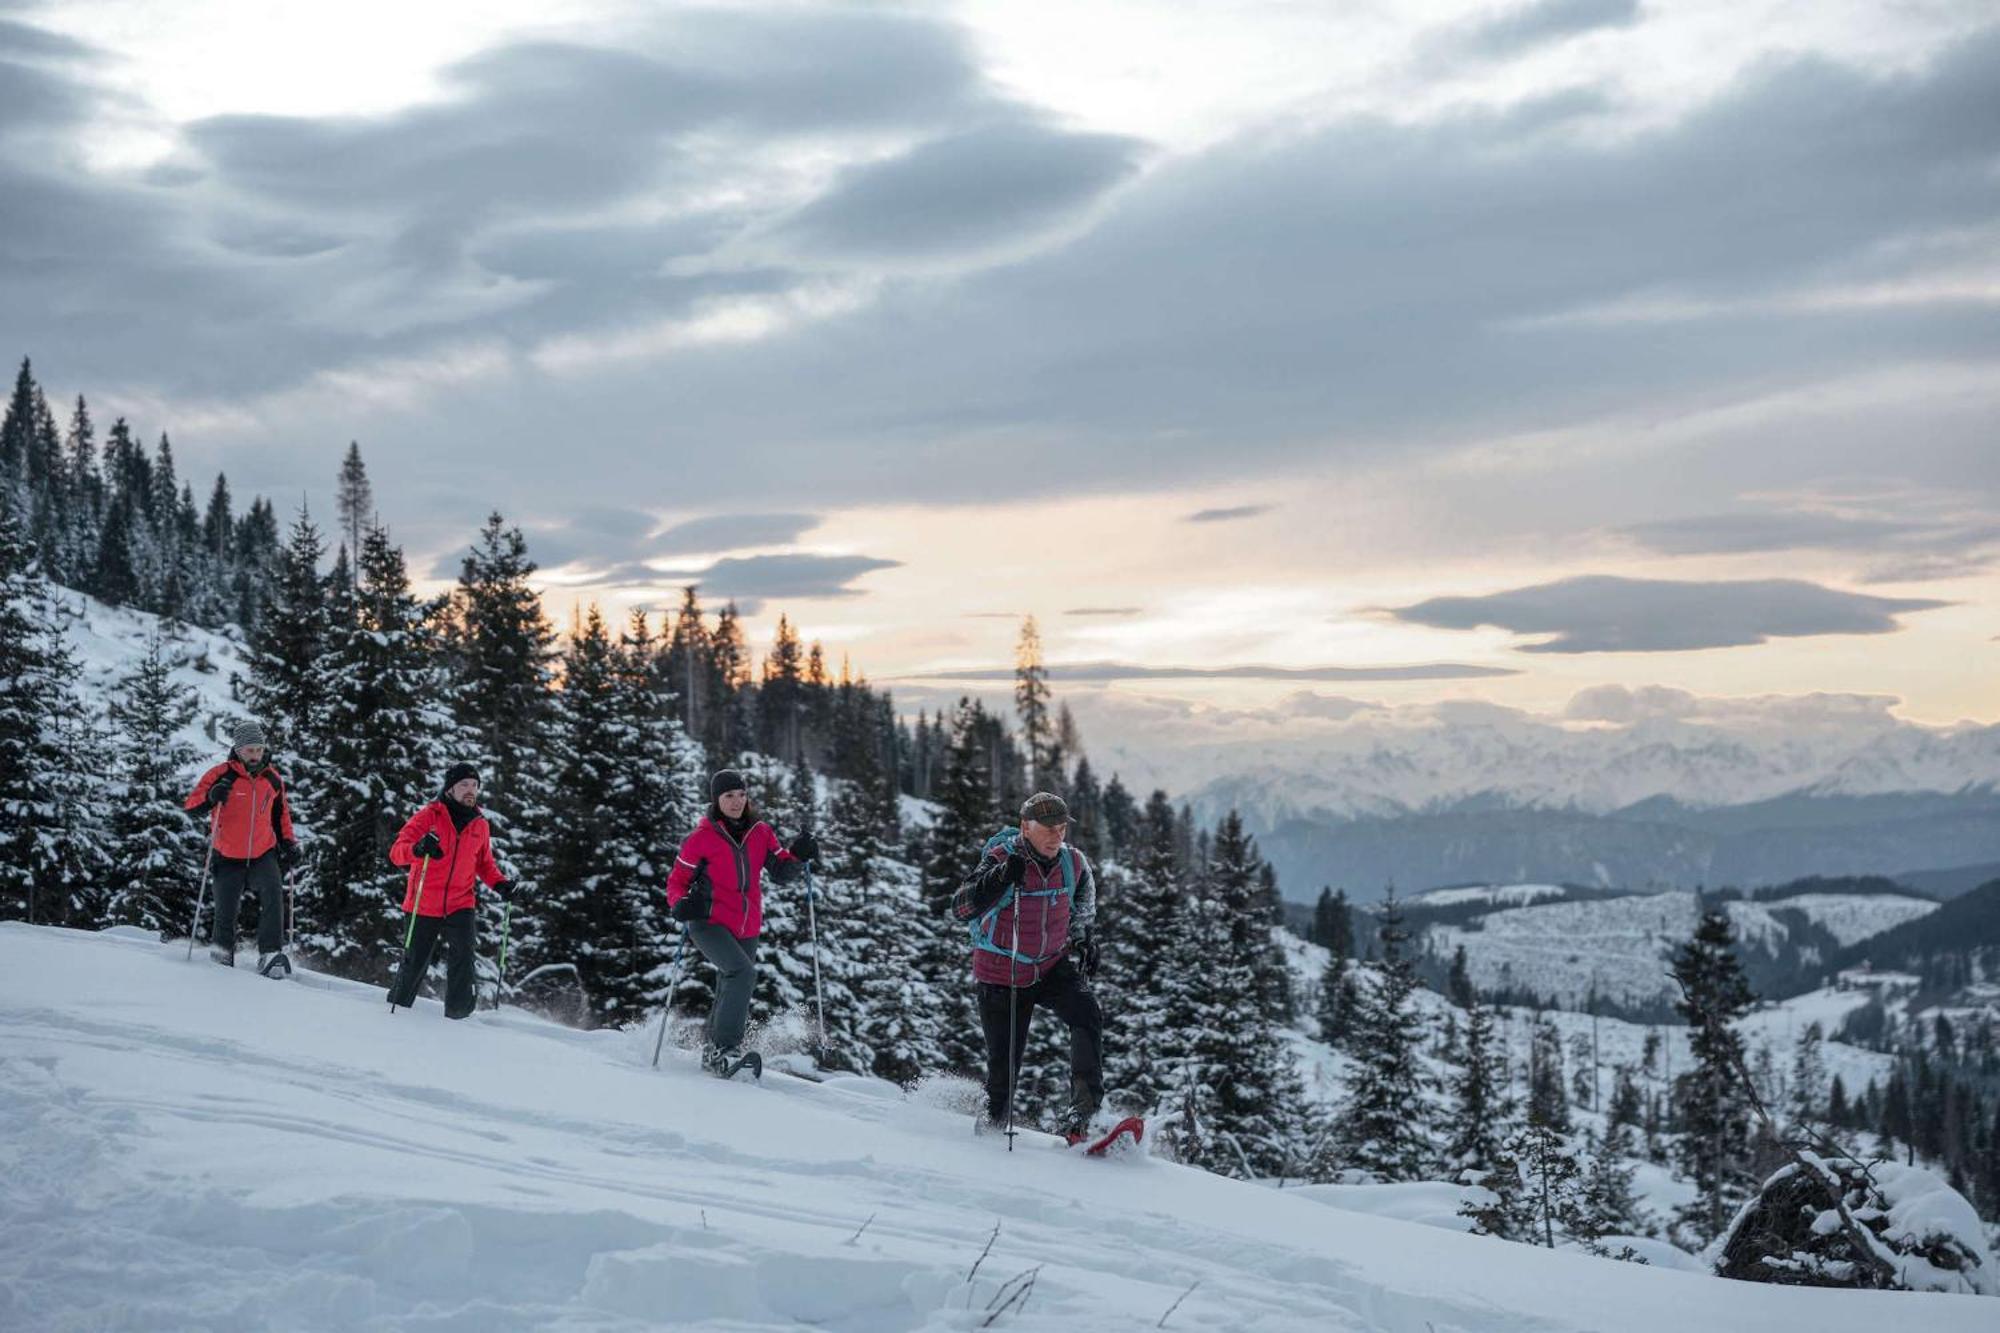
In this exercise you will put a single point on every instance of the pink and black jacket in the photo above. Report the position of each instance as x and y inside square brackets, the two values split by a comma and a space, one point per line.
[1020, 932]
[735, 870]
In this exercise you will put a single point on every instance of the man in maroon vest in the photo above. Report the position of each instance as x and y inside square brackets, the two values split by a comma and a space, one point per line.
[1030, 904]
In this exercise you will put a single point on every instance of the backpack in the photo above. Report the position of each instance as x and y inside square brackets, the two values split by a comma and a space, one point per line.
[982, 929]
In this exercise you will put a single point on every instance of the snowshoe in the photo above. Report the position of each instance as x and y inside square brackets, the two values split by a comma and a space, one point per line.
[218, 954]
[730, 1063]
[1123, 1136]
[274, 965]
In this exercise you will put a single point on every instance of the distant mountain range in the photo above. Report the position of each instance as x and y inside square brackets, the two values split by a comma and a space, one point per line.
[1659, 804]
[1657, 844]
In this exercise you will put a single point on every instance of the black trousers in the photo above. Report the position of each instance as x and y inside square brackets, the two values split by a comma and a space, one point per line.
[1064, 990]
[263, 878]
[459, 997]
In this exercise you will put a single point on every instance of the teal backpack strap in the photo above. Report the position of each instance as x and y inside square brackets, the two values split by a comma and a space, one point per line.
[982, 929]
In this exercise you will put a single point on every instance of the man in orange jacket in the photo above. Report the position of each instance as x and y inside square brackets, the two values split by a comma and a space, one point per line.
[250, 828]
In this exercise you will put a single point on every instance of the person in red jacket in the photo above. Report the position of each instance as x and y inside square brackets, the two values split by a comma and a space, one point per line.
[716, 889]
[448, 847]
[250, 829]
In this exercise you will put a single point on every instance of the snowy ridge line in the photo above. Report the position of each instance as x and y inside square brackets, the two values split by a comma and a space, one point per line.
[174, 1157]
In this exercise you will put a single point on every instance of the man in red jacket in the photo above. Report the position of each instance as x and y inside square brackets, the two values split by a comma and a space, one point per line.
[448, 847]
[250, 828]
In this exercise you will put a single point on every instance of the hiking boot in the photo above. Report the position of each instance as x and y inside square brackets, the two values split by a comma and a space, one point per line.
[218, 954]
[274, 965]
[714, 1060]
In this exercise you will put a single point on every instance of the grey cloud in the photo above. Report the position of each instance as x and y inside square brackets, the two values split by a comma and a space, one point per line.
[24, 41]
[733, 532]
[1105, 611]
[993, 184]
[1228, 515]
[1731, 534]
[1616, 703]
[1545, 21]
[1099, 672]
[1901, 549]
[1332, 707]
[763, 577]
[1359, 290]
[1602, 613]
[626, 541]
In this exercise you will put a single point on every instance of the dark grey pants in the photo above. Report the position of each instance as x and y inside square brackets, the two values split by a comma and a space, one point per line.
[735, 977]
[459, 996]
[262, 876]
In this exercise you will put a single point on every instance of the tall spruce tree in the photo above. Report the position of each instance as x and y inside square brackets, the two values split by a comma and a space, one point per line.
[354, 498]
[1484, 1107]
[286, 689]
[1710, 1099]
[1384, 1125]
[1031, 705]
[44, 786]
[155, 849]
[388, 736]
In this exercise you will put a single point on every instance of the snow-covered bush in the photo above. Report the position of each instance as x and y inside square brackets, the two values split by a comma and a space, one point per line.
[1888, 1226]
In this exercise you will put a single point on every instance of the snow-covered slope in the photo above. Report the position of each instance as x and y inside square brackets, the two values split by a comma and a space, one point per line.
[109, 641]
[1618, 946]
[185, 1147]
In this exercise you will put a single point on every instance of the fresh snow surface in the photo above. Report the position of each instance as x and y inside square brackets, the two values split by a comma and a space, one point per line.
[1500, 895]
[183, 1146]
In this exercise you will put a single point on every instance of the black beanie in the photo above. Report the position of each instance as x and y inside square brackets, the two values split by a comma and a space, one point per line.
[458, 773]
[727, 780]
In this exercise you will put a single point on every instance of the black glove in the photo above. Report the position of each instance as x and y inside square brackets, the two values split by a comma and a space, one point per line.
[699, 900]
[218, 791]
[1088, 952]
[289, 853]
[428, 847]
[1017, 869]
[805, 847]
[505, 890]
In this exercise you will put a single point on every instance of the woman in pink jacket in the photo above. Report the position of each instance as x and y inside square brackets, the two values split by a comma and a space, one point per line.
[716, 889]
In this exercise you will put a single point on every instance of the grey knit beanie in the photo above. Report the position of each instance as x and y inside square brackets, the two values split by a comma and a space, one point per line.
[247, 733]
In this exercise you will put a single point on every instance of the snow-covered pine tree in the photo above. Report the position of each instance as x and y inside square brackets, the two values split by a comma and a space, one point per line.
[872, 905]
[1256, 1093]
[286, 686]
[1551, 1180]
[966, 818]
[582, 901]
[1806, 1099]
[155, 849]
[1548, 1102]
[37, 708]
[354, 498]
[1711, 1105]
[1384, 1125]
[1605, 1204]
[502, 652]
[1140, 925]
[657, 796]
[1484, 1107]
[389, 736]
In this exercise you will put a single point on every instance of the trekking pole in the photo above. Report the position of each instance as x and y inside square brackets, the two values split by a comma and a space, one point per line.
[667, 1005]
[410, 932]
[1013, 1046]
[812, 927]
[201, 894]
[506, 928]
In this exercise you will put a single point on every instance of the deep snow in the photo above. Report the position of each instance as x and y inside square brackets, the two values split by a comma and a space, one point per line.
[183, 1146]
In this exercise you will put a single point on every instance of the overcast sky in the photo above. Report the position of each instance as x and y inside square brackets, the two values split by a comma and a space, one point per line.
[1336, 354]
